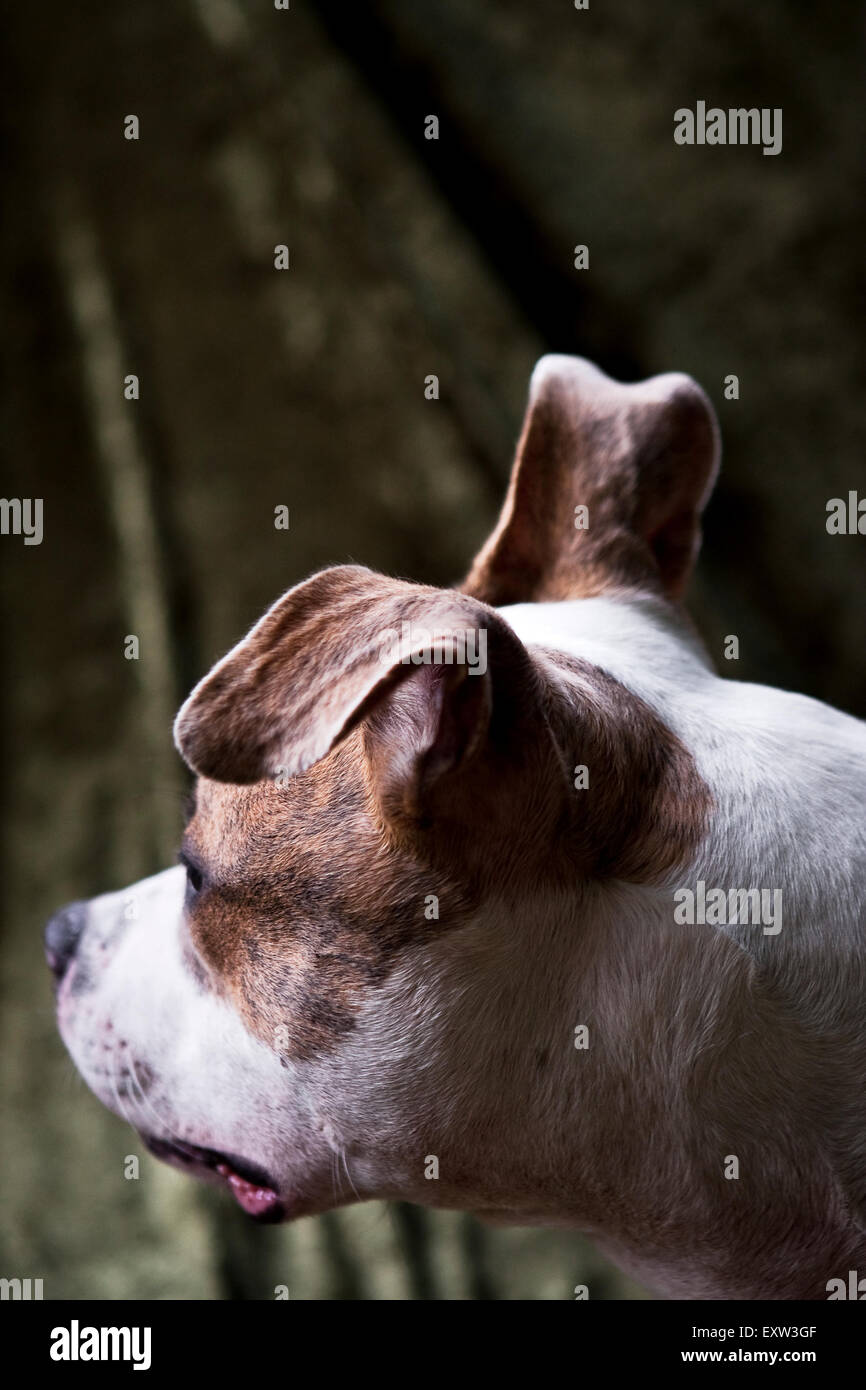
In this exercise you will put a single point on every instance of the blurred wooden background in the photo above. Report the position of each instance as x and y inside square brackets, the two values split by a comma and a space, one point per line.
[305, 388]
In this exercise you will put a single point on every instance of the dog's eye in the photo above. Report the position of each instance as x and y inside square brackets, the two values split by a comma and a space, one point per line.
[194, 876]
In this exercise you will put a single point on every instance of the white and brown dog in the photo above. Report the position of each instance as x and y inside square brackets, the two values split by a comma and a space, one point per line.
[482, 876]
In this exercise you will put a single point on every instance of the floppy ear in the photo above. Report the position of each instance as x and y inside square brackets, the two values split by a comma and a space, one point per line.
[642, 460]
[460, 732]
[334, 650]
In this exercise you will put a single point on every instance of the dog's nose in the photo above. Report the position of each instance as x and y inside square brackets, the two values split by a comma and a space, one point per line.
[62, 935]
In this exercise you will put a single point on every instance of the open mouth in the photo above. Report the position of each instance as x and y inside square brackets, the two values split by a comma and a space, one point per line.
[250, 1186]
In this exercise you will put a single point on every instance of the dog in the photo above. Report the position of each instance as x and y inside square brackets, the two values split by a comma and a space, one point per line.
[430, 936]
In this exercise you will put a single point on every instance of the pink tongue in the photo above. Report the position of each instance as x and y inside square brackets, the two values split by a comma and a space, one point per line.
[254, 1199]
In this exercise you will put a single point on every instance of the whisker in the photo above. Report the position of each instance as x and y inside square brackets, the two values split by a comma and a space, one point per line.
[348, 1174]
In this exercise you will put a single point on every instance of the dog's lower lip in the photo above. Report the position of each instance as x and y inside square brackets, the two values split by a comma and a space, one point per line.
[250, 1186]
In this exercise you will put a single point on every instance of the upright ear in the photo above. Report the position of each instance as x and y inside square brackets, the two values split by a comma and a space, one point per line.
[437, 671]
[607, 488]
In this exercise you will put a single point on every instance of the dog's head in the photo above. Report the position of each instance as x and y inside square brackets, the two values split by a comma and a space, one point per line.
[359, 979]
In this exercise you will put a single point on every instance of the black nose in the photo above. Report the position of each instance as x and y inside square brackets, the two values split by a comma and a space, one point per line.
[62, 936]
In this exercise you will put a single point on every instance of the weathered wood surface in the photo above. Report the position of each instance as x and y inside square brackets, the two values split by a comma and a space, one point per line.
[306, 388]
[157, 258]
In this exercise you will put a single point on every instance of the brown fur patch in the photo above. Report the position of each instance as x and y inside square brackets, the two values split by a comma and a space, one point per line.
[305, 904]
[313, 889]
[646, 808]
